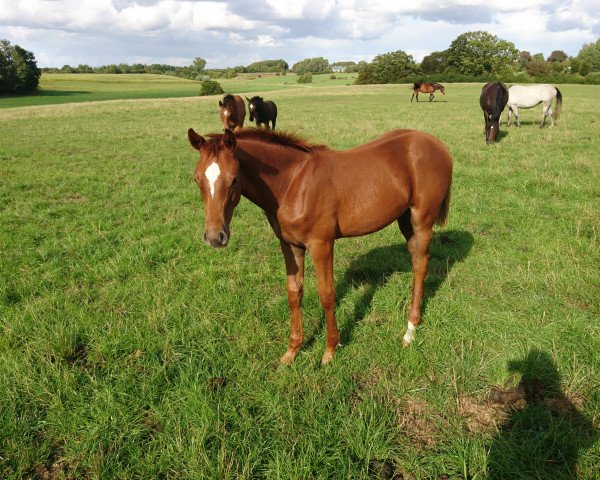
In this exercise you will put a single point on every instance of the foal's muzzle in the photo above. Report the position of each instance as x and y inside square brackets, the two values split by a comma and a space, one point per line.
[216, 239]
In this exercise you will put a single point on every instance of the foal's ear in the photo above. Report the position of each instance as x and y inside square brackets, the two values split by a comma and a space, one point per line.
[247, 99]
[220, 103]
[195, 140]
[229, 139]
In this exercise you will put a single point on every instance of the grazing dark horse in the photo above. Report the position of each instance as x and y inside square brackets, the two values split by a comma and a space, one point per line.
[312, 195]
[264, 112]
[424, 87]
[494, 96]
[233, 111]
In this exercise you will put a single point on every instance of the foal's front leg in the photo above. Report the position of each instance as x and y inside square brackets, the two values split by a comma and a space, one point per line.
[294, 266]
[322, 254]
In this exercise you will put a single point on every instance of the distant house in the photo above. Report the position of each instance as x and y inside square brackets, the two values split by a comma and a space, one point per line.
[337, 68]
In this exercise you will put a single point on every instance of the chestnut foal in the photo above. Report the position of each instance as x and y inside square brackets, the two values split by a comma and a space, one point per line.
[312, 195]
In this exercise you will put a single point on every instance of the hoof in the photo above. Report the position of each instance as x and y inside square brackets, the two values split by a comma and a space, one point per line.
[288, 357]
[406, 343]
[327, 357]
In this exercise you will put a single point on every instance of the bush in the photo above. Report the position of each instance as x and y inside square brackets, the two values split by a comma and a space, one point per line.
[305, 78]
[210, 87]
[332, 77]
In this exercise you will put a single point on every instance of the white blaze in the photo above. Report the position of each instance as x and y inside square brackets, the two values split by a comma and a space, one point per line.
[211, 174]
[251, 106]
[225, 112]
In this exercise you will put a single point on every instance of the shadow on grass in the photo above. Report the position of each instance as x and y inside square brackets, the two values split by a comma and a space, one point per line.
[372, 270]
[502, 134]
[47, 93]
[60, 93]
[545, 431]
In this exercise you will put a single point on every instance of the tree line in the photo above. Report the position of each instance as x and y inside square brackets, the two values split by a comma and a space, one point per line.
[471, 57]
[480, 56]
[196, 71]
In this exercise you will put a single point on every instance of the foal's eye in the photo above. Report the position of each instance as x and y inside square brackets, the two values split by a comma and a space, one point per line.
[234, 183]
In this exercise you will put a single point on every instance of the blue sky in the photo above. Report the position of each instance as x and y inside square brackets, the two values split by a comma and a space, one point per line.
[239, 32]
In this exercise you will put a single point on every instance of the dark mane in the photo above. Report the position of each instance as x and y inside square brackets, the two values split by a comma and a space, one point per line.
[284, 139]
[228, 100]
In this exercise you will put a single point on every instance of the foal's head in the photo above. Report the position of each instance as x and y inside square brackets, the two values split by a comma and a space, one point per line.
[226, 111]
[217, 176]
[491, 130]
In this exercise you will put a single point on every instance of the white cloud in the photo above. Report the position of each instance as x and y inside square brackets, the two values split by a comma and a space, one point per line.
[267, 41]
[302, 9]
[235, 32]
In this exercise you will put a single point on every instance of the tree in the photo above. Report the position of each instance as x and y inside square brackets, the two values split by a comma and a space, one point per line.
[356, 67]
[480, 53]
[389, 67]
[19, 72]
[524, 59]
[84, 68]
[557, 56]
[312, 65]
[436, 62]
[197, 67]
[589, 56]
[537, 68]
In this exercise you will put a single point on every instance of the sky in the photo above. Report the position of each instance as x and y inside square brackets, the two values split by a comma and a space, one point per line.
[239, 32]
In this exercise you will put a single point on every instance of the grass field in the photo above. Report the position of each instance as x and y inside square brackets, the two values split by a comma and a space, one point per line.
[58, 88]
[129, 349]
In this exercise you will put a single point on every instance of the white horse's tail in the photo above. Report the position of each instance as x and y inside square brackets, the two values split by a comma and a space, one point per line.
[558, 104]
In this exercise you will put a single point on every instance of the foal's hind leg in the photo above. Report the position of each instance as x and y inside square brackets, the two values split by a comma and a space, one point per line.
[417, 229]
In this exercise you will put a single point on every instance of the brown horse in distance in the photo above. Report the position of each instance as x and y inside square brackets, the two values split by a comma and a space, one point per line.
[312, 195]
[424, 87]
[233, 111]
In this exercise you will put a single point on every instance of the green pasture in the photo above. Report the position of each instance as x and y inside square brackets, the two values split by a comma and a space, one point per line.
[58, 88]
[129, 349]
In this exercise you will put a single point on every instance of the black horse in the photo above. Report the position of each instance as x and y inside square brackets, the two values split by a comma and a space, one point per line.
[264, 112]
[494, 96]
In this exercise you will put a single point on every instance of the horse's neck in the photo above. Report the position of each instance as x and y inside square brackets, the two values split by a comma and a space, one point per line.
[266, 175]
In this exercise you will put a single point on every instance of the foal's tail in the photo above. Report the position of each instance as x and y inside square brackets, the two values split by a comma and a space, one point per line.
[558, 104]
[443, 215]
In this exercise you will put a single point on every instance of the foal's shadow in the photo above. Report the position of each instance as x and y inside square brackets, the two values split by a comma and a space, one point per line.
[372, 270]
[545, 431]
